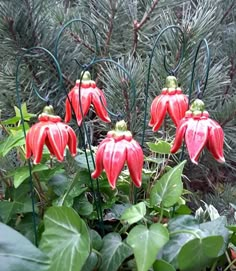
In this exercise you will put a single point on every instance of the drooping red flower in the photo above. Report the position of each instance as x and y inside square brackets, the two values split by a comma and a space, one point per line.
[116, 149]
[84, 94]
[52, 132]
[171, 100]
[198, 130]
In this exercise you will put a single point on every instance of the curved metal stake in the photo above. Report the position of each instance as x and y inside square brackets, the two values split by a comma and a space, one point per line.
[62, 30]
[17, 81]
[199, 91]
[170, 71]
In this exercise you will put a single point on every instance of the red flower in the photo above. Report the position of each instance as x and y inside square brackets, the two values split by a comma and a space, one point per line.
[171, 100]
[88, 94]
[51, 132]
[116, 149]
[199, 130]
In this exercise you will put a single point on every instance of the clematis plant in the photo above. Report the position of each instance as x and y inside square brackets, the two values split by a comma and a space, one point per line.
[52, 132]
[199, 130]
[117, 148]
[84, 94]
[171, 101]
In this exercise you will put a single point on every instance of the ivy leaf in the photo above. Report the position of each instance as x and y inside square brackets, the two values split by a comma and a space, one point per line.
[22, 173]
[114, 252]
[199, 253]
[168, 189]
[146, 243]
[18, 253]
[134, 213]
[161, 265]
[66, 239]
[161, 147]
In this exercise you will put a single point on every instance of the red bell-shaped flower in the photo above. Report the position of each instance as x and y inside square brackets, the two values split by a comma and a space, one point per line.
[171, 100]
[116, 149]
[51, 132]
[82, 96]
[199, 130]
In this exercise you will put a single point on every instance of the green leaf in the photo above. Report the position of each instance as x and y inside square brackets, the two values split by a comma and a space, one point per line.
[113, 252]
[27, 116]
[96, 240]
[161, 265]
[134, 213]
[22, 173]
[161, 147]
[91, 262]
[185, 228]
[66, 239]
[198, 253]
[168, 189]
[82, 205]
[21, 203]
[18, 253]
[11, 142]
[146, 243]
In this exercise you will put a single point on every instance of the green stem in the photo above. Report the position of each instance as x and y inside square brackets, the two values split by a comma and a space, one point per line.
[72, 184]
[161, 215]
[230, 264]
[213, 268]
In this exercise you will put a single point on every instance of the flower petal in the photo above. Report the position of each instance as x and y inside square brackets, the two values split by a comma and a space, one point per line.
[196, 137]
[72, 140]
[100, 109]
[114, 157]
[68, 107]
[99, 159]
[135, 161]
[216, 140]
[57, 138]
[177, 106]
[180, 131]
[158, 111]
[39, 136]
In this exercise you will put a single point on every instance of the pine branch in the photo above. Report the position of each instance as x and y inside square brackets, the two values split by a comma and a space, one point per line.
[137, 26]
[228, 11]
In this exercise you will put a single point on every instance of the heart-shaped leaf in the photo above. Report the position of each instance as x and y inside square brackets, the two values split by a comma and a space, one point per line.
[168, 189]
[114, 251]
[146, 243]
[134, 213]
[18, 253]
[66, 239]
[161, 265]
[198, 253]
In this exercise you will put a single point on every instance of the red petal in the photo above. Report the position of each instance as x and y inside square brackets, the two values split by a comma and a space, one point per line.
[216, 140]
[68, 107]
[101, 111]
[180, 131]
[28, 145]
[72, 140]
[99, 159]
[113, 160]
[178, 105]
[158, 111]
[57, 138]
[135, 161]
[196, 137]
[38, 138]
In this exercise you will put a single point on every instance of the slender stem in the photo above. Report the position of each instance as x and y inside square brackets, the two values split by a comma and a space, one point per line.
[110, 28]
[230, 264]
[138, 26]
[161, 215]
[213, 268]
